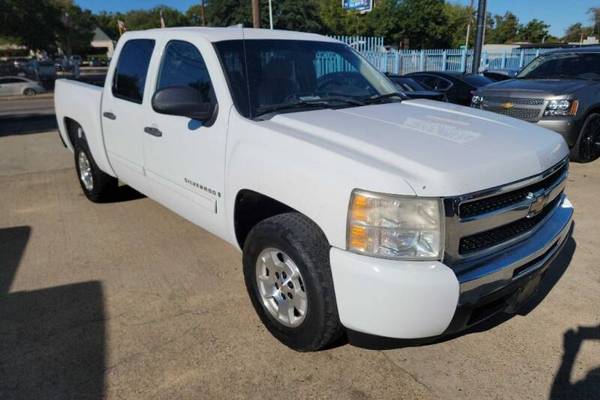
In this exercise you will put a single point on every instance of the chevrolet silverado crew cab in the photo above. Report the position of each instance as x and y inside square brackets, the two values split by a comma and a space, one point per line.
[355, 208]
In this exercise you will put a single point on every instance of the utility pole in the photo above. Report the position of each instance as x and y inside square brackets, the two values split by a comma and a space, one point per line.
[255, 14]
[481, 15]
[202, 15]
[270, 15]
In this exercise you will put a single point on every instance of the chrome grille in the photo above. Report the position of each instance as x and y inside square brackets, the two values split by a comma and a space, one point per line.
[474, 208]
[526, 114]
[483, 223]
[485, 240]
[527, 109]
[515, 100]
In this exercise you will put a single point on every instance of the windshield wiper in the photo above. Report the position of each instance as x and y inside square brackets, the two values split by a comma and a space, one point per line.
[379, 97]
[313, 102]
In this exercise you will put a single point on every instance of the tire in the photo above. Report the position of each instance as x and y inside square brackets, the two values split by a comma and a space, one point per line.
[29, 92]
[295, 241]
[587, 147]
[97, 185]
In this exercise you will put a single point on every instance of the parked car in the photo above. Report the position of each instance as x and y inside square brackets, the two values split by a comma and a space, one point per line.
[40, 70]
[414, 90]
[500, 74]
[16, 85]
[353, 208]
[559, 90]
[458, 87]
[20, 63]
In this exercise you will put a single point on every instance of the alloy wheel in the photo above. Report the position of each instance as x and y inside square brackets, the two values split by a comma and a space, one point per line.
[281, 287]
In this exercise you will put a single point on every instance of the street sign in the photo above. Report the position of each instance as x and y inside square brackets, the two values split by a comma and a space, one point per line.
[361, 6]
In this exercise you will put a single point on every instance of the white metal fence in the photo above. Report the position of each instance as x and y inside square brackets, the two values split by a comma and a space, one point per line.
[456, 60]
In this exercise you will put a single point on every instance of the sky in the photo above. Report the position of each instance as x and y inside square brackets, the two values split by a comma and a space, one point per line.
[558, 13]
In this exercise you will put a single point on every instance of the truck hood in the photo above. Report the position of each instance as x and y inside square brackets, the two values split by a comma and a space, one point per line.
[439, 149]
[535, 87]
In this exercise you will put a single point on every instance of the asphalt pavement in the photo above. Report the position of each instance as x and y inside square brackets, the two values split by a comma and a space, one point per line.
[128, 300]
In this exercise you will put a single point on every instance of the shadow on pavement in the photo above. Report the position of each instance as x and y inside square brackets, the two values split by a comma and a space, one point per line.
[551, 277]
[52, 341]
[24, 125]
[587, 388]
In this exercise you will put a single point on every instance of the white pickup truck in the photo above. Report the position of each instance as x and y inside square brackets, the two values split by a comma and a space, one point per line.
[356, 209]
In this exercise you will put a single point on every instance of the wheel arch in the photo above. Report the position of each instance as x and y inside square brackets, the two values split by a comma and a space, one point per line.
[252, 207]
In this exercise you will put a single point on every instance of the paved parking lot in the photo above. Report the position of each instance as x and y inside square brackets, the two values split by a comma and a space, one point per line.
[128, 300]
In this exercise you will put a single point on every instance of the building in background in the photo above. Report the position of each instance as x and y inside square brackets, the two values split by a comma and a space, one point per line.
[101, 40]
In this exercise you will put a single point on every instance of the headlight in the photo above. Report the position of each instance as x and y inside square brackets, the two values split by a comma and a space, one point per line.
[561, 108]
[395, 227]
[476, 101]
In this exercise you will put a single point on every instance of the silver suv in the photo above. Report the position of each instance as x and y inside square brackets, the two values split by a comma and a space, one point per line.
[559, 90]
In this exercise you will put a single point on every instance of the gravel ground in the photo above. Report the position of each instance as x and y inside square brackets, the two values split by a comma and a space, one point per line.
[128, 300]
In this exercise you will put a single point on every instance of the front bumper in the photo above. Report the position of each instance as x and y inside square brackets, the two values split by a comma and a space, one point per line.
[421, 299]
[568, 127]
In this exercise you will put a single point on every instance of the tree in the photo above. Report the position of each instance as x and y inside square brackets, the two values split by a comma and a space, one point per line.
[384, 21]
[148, 19]
[459, 17]
[31, 22]
[575, 32]
[535, 31]
[76, 30]
[505, 30]
[295, 15]
[107, 22]
[423, 23]
[229, 12]
[594, 12]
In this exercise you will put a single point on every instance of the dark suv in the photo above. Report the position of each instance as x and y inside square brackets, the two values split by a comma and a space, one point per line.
[559, 90]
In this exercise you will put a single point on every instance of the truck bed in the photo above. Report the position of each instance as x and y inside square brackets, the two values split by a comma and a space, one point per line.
[81, 101]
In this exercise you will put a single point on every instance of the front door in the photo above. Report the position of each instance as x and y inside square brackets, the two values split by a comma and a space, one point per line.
[184, 158]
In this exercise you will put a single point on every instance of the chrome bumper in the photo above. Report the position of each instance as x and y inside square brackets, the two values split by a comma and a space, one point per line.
[521, 260]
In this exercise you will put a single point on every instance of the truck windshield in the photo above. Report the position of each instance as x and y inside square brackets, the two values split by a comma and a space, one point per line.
[563, 66]
[272, 76]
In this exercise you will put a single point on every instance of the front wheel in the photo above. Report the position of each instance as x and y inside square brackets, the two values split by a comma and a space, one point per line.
[587, 147]
[29, 92]
[288, 278]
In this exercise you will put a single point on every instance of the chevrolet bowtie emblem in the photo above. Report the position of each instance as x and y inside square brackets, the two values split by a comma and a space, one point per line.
[507, 106]
[538, 201]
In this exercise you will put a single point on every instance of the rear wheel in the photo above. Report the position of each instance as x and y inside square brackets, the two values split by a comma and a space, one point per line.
[288, 278]
[587, 147]
[29, 92]
[97, 185]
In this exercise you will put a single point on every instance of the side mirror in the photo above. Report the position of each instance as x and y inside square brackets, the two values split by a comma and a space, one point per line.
[183, 101]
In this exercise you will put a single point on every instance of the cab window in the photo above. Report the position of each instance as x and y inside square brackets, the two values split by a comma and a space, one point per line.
[183, 65]
[132, 70]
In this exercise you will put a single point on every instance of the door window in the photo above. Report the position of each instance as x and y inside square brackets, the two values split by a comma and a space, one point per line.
[183, 65]
[132, 69]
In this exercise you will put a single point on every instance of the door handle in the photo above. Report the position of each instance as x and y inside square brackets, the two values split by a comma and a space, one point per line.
[109, 115]
[153, 131]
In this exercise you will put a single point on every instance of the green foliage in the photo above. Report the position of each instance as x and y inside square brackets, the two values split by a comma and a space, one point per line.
[505, 29]
[75, 32]
[459, 17]
[32, 22]
[294, 15]
[575, 32]
[594, 13]
[535, 31]
[229, 12]
[423, 23]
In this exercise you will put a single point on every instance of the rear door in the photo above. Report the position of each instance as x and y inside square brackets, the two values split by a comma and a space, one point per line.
[123, 111]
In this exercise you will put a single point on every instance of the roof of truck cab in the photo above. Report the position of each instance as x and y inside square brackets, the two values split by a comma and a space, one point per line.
[230, 33]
